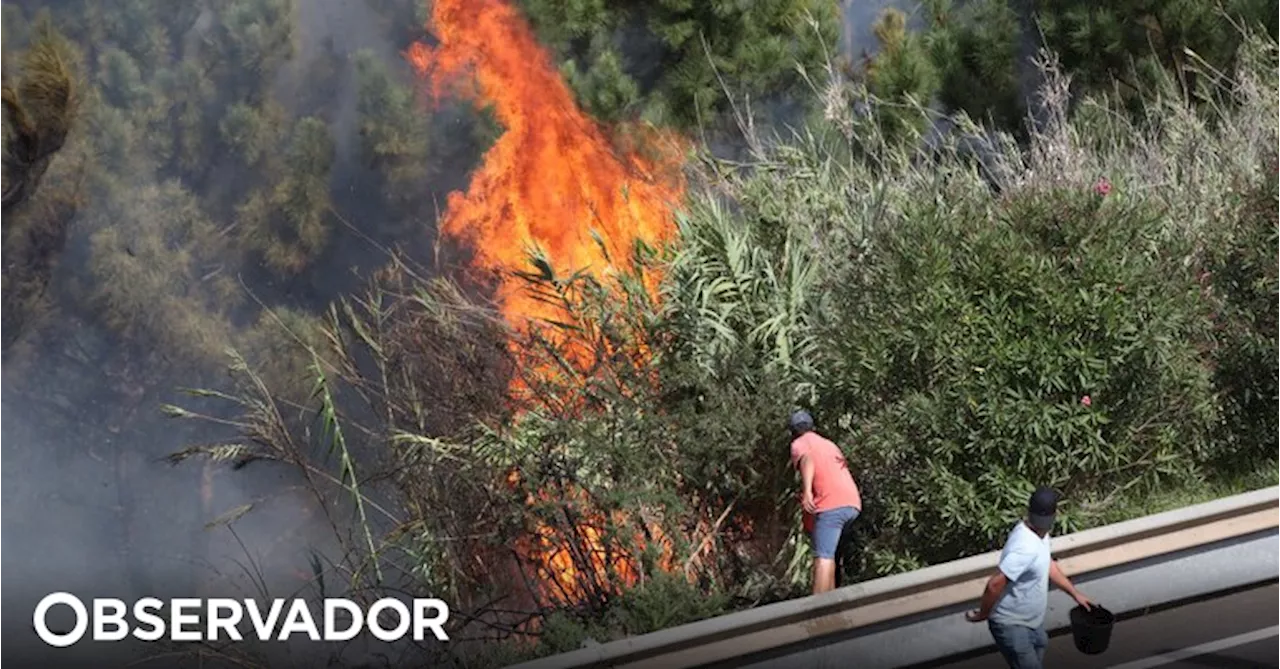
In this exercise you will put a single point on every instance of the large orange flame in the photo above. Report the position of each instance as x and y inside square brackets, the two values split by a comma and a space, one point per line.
[553, 181]
[553, 177]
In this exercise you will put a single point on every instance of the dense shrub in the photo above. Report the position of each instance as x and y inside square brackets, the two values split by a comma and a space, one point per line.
[983, 348]
[1240, 277]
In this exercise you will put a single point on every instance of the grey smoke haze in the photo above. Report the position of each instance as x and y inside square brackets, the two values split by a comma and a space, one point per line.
[859, 16]
[345, 27]
[89, 506]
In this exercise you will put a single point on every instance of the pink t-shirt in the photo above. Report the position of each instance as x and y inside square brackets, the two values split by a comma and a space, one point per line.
[833, 485]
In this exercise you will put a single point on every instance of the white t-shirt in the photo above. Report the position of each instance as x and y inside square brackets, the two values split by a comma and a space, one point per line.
[1025, 563]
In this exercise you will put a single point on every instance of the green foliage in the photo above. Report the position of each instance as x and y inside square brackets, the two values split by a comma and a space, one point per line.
[976, 51]
[969, 338]
[249, 132]
[190, 96]
[121, 81]
[754, 286]
[604, 88]
[903, 72]
[670, 62]
[1106, 42]
[249, 41]
[969, 54]
[393, 130]
[288, 223]
[152, 255]
[663, 602]
[966, 58]
[1241, 278]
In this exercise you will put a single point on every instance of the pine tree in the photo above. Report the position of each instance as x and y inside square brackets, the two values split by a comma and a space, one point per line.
[288, 222]
[902, 73]
[976, 50]
[671, 61]
[1105, 42]
[393, 129]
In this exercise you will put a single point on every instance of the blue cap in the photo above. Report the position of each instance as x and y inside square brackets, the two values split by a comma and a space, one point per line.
[800, 421]
[1042, 508]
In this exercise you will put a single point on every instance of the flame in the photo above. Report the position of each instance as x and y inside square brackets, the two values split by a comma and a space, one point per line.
[553, 177]
[604, 566]
[555, 182]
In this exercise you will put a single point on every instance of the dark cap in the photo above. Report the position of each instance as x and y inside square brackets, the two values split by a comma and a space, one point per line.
[800, 422]
[1042, 509]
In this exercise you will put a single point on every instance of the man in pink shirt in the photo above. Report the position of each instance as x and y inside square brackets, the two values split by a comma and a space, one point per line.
[827, 493]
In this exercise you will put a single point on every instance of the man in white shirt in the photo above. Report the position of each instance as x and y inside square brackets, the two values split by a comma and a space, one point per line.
[1014, 601]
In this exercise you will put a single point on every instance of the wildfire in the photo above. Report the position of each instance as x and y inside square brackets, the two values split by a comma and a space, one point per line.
[554, 182]
[553, 177]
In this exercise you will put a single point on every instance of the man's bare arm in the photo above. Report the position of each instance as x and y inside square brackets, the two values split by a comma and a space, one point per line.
[806, 480]
[990, 595]
[1060, 580]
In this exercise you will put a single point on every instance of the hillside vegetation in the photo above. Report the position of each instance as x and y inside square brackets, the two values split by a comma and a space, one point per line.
[971, 305]
[1093, 310]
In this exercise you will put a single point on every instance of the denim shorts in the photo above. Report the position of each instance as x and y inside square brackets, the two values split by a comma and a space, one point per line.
[827, 527]
[1022, 647]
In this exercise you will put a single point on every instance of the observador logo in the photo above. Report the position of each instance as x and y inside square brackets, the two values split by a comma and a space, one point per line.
[223, 619]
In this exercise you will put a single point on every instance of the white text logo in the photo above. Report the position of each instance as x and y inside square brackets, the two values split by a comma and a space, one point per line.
[223, 619]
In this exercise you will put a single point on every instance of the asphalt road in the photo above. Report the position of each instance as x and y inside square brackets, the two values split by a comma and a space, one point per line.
[1235, 631]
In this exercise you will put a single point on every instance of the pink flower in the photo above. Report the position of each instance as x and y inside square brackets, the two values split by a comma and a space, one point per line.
[1086, 401]
[1103, 187]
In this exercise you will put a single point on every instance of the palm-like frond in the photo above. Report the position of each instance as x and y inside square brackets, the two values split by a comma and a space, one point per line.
[738, 296]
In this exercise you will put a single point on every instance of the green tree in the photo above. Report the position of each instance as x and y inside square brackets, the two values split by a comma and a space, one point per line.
[287, 222]
[248, 133]
[1106, 42]
[976, 49]
[393, 130]
[604, 87]
[902, 76]
[153, 252]
[666, 60]
[133, 26]
[190, 97]
[120, 81]
[247, 44]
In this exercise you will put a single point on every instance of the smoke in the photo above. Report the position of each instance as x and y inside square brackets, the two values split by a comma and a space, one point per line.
[858, 18]
[91, 506]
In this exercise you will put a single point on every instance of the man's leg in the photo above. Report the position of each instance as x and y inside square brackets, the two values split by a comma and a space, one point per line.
[827, 527]
[843, 548]
[1041, 644]
[824, 575]
[1018, 645]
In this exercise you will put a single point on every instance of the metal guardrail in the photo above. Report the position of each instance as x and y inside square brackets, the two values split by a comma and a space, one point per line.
[733, 638]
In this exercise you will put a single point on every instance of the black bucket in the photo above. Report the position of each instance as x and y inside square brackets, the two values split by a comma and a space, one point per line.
[1092, 629]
